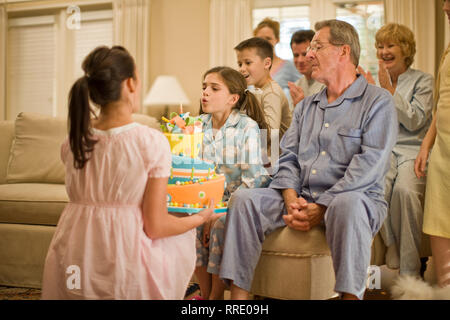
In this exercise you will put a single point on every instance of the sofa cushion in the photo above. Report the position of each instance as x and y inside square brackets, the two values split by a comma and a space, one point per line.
[289, 242]
[35, 153]
[32, 203]
[6, 138]
[22, 260]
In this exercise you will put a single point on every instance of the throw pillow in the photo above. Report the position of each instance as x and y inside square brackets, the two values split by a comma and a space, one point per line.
[35, 154]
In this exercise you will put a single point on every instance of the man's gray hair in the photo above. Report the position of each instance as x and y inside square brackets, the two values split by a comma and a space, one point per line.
[342, 33]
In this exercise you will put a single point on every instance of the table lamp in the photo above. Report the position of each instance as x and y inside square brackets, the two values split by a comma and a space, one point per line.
[166, 91]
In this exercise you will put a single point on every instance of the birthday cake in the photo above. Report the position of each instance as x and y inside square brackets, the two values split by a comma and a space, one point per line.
[193, 182]
[184, 133]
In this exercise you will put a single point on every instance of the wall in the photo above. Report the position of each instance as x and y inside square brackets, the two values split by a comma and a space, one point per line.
[179, 46]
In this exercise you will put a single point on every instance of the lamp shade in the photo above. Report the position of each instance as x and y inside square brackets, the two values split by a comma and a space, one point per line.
[166, 90]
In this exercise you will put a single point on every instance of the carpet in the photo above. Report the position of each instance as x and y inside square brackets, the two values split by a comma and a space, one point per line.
[9, 293]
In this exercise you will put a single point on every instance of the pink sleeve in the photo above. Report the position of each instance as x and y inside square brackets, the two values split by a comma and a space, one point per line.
[161, 157]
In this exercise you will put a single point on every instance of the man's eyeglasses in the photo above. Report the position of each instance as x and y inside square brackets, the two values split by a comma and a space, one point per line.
[319, 46]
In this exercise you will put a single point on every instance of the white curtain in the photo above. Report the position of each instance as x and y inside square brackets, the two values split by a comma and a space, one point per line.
[447, 31]
[132, 30]
[322, 10]
[420, 17]
[230, 23]
[3, 22]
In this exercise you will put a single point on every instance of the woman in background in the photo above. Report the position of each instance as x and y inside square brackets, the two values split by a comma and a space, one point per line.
[412, 91]
[282, 71]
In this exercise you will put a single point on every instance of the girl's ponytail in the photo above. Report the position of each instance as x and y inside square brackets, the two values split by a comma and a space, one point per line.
[105, 70]
[80, 137]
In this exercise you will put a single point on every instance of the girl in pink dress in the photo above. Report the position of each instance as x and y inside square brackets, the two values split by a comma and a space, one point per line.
[115, 239]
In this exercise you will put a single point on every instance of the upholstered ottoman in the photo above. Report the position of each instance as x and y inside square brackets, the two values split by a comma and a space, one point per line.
[298, 265]
[295, 265]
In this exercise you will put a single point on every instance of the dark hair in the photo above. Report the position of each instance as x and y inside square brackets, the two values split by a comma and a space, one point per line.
[247, 102]
[264, 48]
[301, 36]
[105, 70]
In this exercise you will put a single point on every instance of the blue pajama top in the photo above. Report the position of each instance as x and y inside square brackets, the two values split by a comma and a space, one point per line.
[342, 146]
[236, 151]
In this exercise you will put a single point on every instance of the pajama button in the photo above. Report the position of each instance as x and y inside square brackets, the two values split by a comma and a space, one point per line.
[314, 194]
[327, 125]
[324, 153]
[313, 171]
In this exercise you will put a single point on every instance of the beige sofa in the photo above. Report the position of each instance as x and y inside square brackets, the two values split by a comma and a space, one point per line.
[32, 193]
[293, 264]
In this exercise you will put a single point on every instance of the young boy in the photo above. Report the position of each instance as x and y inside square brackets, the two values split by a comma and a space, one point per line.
[255, 57]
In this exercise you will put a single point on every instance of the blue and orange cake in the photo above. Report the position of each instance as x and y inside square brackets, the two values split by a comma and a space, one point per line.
[193, 182]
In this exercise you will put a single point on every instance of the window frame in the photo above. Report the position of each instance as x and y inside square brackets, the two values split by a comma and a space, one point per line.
[64, 45]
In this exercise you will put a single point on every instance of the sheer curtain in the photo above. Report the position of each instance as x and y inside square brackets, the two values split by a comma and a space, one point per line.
[132, 30]
[447, 27]
[420, 17]
[3, 21]
[322, 10]
[230, 23]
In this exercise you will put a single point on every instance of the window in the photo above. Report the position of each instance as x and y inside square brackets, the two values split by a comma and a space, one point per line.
[30, 68]
[291, 18]
[367, 18]
[44, 56]
[96, 29]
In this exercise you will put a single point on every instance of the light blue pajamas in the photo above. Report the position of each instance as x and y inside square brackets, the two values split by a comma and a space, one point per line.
[334, 154]
[351, 221]
[236, 151]
[413, 99]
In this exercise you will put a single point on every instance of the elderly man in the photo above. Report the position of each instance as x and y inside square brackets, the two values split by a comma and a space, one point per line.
[331, 171]
[306, 85]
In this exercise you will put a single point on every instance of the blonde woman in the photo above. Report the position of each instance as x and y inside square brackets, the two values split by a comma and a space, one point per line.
[412, 91]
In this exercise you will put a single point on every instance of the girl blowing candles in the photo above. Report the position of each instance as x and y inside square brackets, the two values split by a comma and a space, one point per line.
[232, 121]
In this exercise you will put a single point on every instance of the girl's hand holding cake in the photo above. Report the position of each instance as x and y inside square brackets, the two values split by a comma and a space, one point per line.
[208, 213]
